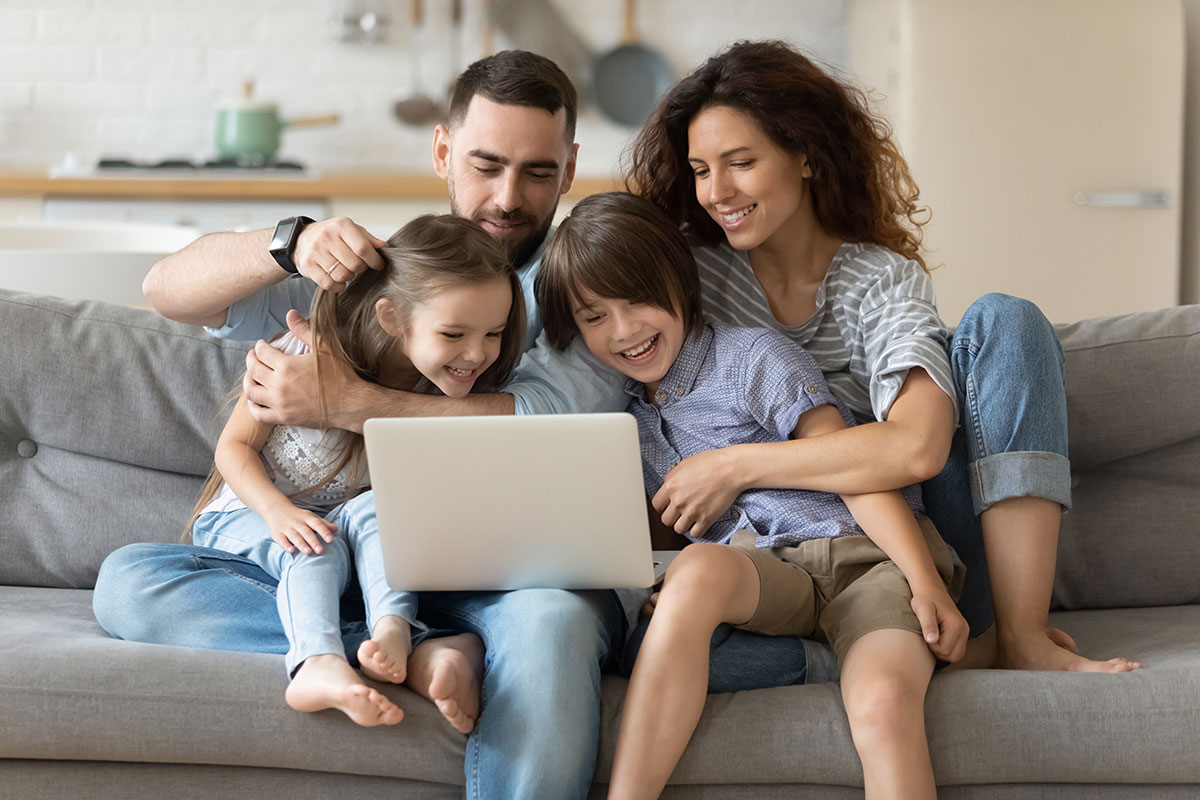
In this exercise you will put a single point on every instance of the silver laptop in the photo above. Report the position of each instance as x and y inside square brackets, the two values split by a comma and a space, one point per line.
[504, 502]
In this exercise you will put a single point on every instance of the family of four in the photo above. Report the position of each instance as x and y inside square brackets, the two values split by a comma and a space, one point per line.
[865, 496]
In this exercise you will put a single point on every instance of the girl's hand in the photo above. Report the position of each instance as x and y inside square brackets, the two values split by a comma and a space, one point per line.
[698, 491]
[942, 626]
[293, 528]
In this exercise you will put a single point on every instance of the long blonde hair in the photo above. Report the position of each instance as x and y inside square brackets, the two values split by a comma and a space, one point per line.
[425, 257]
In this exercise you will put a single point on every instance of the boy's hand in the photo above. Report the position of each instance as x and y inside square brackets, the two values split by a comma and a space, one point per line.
[697, 491]
[942, 626]
[293, 528]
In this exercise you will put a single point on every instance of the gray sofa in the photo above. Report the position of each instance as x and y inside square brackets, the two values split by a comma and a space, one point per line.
[108, 417]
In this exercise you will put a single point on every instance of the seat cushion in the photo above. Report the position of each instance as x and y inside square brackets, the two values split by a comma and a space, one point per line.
[68, 691]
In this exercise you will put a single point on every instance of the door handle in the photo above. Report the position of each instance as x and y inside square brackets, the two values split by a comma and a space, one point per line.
[1133, 198]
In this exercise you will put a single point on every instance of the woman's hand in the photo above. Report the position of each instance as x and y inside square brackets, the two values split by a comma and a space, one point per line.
[293, 528]
[942, 626]
[698, 490]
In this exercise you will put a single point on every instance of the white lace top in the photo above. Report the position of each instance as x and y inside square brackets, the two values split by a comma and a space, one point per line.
[296, 459]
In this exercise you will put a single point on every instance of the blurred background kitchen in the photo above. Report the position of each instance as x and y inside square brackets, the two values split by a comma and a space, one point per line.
[1057, 142]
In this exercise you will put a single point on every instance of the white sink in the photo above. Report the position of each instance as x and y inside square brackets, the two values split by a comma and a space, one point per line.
[86, 260]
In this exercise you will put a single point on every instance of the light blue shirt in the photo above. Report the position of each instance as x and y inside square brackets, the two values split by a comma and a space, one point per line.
[546, 380]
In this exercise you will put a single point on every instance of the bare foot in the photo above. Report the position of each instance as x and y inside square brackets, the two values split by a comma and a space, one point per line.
[1047, 652]
[328, 681]
[448, 671]
[384, 657]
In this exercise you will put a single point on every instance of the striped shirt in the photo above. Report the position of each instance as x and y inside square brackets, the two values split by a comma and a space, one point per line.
[875, 320]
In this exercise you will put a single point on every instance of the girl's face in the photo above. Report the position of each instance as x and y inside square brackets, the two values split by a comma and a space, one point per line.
[454, 336]
[748, 184]
[636, 339]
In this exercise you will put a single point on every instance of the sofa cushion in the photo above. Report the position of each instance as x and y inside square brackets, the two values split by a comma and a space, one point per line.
[1132, 537]
[75, 694]
[108, 416]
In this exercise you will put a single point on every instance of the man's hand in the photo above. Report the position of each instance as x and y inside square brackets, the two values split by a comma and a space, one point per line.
[942, 626]
[332, 251]
[698, 491]
[281, 389]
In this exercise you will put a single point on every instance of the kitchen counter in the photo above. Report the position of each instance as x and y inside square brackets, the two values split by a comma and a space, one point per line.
[190, 185]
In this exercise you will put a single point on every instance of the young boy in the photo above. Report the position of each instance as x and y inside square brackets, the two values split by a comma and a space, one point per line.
[864, 571]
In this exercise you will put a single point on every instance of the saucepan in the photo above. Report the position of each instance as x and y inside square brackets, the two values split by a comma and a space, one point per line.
[248, 131]
[629, 80]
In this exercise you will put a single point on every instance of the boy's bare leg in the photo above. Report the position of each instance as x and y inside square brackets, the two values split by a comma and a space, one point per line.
[1020, 536]
[705, 586]
[328, 681]
[449, 671]
[384, 657]
[884, 678]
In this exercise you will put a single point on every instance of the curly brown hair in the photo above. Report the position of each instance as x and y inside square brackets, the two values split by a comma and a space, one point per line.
[861, 186]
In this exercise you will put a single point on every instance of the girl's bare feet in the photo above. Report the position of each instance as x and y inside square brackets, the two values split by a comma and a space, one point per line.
[448, 671]
[384, 657]
[1048, 652]
[328, 681]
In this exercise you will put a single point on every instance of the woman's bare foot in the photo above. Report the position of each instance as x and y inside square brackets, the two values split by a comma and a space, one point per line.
[448, 671]
[1051, 652]
[384, 657]
[328, 681]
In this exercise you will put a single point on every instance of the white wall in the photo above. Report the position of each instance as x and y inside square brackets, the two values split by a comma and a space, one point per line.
[141, 77]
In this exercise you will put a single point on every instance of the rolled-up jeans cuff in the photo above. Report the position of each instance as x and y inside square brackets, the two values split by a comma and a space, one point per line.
[1020, 474]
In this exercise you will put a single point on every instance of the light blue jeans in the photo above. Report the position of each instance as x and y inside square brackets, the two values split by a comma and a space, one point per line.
[309, 587]
[539, 728]
[1008, 371]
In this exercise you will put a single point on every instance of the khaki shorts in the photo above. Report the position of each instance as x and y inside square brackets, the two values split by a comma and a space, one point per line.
[838, 589]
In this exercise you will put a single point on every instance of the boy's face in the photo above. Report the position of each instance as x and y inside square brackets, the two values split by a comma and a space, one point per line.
[636, 339]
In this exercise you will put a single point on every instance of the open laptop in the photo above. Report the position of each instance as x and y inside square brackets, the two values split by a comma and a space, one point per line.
[504, 502]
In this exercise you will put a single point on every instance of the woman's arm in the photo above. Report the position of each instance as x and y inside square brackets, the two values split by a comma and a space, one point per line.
[911, 446]
[237, 460]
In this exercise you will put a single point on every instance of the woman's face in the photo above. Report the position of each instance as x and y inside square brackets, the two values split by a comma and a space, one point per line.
[750, 186]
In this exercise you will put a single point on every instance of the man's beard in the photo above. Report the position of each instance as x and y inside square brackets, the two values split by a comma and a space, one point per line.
[518, 251]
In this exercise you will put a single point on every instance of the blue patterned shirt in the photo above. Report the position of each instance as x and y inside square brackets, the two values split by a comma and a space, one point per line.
[730, 386]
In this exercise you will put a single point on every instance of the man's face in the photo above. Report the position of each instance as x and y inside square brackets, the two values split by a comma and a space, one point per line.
[505, 167]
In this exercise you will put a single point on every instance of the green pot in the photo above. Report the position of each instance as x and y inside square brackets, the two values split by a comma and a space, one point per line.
[248, 133]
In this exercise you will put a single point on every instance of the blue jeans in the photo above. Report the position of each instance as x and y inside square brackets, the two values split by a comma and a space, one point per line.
[539, 727]
[309, 587]
[1007, 365]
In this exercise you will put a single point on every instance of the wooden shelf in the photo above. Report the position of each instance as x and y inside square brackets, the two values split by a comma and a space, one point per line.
[366, 186]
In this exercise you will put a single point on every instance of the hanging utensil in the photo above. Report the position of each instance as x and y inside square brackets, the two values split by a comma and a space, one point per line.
[537, 26]
[629, 80]
[418, 108]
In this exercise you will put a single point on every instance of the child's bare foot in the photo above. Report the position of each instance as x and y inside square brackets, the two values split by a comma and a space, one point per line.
[448, 672]
[1051, 652]
[328, 681]
[384, 657]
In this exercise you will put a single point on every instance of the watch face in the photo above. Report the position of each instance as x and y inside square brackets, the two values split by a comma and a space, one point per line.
[283, 234]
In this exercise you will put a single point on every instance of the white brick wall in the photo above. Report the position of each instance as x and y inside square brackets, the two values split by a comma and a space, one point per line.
[141, 78]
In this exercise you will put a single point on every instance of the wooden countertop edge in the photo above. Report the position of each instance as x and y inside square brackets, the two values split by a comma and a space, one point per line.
[340, 186]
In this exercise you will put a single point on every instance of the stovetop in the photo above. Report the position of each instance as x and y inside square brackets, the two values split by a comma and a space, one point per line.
[215, 166]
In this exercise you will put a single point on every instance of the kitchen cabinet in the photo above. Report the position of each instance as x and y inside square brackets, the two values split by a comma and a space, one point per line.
[1047, 138]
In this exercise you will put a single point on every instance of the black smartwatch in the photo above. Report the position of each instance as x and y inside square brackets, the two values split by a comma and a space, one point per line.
[283, 243]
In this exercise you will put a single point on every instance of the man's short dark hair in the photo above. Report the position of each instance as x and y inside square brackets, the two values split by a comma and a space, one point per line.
[516, 78]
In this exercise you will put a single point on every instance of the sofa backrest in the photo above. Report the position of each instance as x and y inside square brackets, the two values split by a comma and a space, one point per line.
[1132, 537]
[108, 416]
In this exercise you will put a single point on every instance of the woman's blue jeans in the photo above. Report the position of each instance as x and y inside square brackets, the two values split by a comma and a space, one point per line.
[1007, 365]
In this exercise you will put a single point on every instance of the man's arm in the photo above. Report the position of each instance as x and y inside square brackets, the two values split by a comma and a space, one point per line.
[198, 284]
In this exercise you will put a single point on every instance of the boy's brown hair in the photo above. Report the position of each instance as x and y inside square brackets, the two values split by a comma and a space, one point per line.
[620, 246]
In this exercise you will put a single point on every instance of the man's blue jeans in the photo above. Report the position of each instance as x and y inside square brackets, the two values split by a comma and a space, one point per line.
[539, 727]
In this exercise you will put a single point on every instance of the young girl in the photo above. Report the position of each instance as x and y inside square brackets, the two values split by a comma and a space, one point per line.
[805, 220]
[445, 314]
[863, 571]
